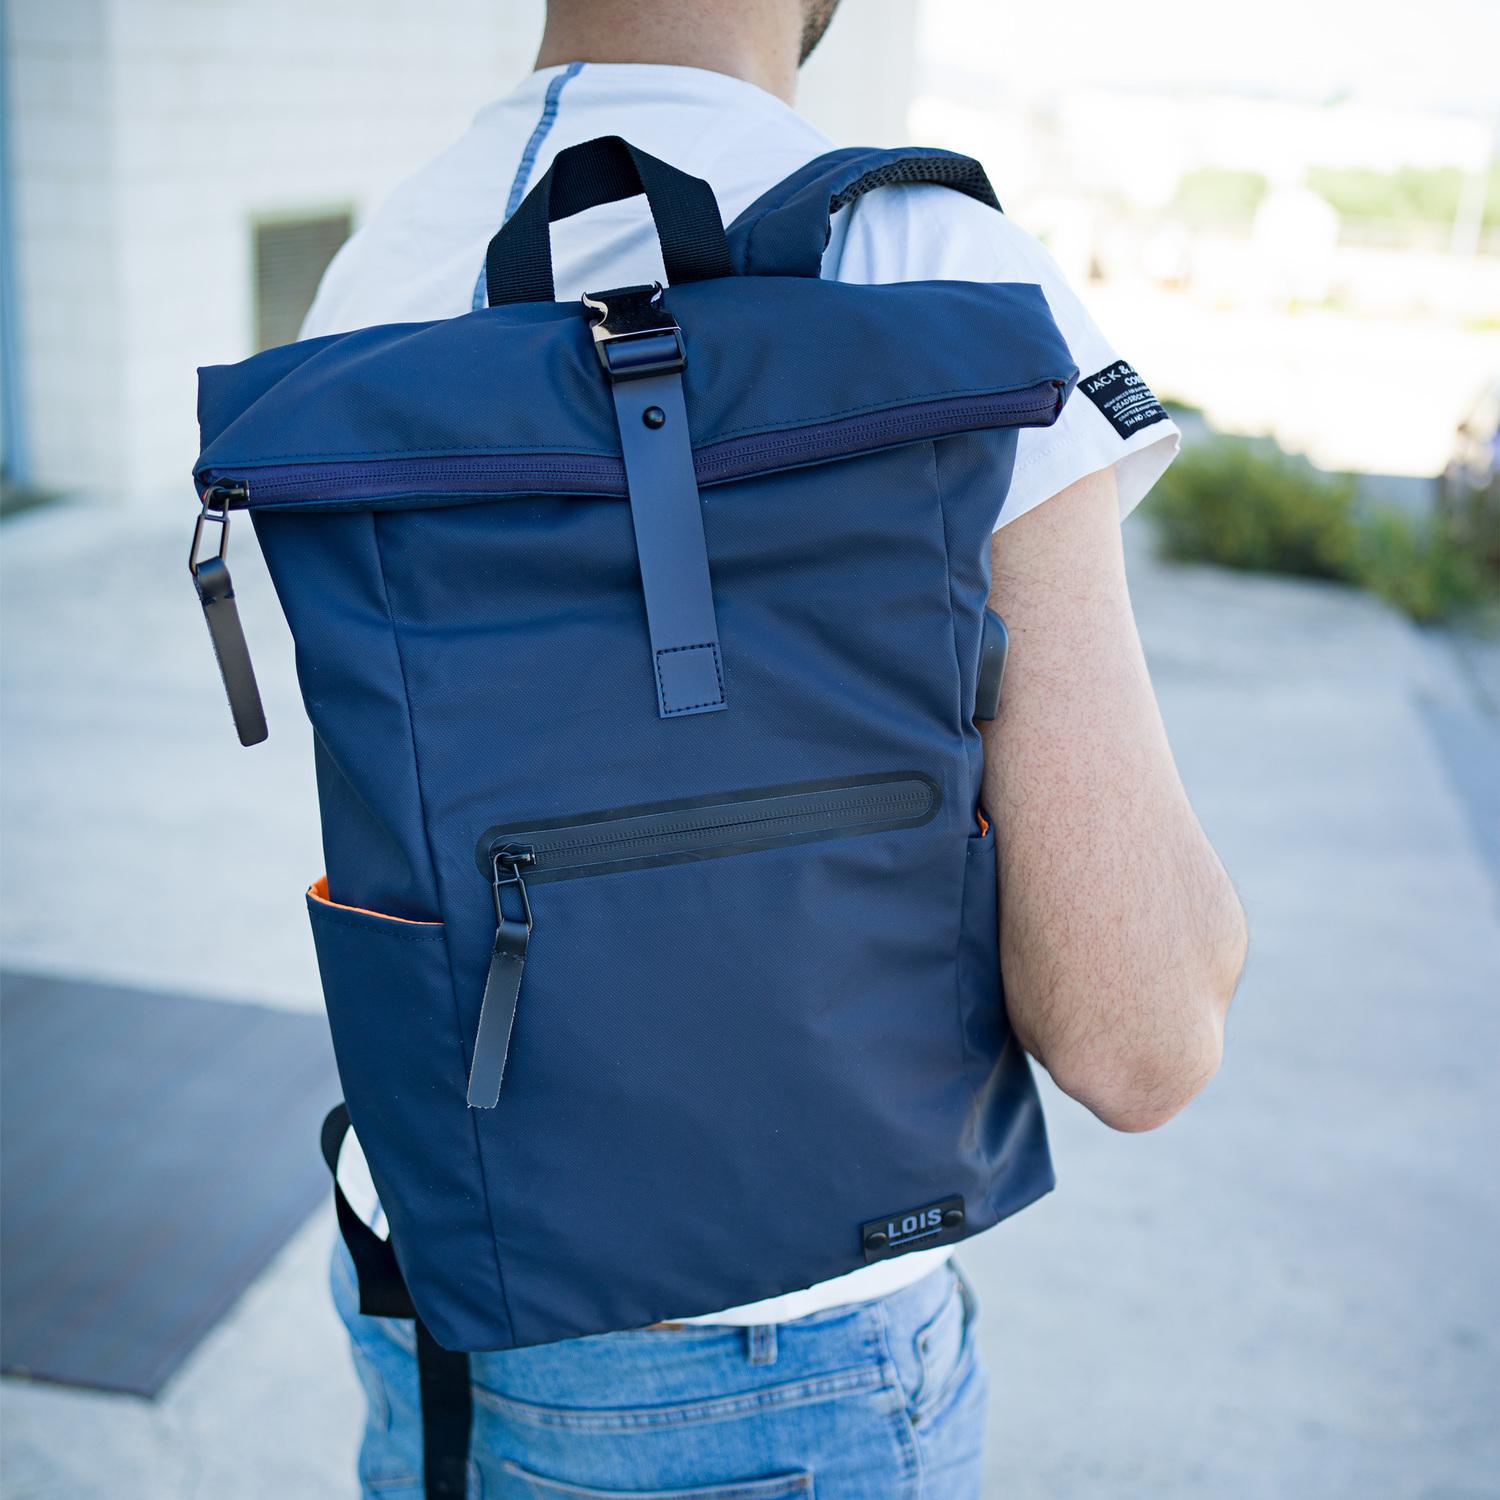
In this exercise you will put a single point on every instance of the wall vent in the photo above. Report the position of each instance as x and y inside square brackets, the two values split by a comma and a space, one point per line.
[289, 260]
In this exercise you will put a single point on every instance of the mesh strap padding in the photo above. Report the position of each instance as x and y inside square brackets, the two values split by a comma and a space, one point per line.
[959, 172]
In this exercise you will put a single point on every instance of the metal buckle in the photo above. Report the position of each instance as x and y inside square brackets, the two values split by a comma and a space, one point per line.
[208, 515]
[514, 859]
[634, 334]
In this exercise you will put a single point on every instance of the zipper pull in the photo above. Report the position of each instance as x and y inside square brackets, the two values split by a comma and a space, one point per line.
[216, 595]
[502, 986]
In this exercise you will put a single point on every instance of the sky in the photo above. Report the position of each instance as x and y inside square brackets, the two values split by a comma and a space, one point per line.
[1443, 54]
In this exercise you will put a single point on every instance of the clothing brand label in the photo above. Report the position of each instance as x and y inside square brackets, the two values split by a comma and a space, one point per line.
[1124, 398]
[938, 1223]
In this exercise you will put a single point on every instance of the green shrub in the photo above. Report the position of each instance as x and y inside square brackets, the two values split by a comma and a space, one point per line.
[1472, 514]
[1409, 194]
[1218, 195]
[1245, 503]
[1420, 566]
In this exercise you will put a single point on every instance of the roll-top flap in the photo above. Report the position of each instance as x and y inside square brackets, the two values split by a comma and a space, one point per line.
[764, 355]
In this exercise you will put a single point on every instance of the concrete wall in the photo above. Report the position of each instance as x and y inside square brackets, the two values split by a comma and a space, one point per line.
[64, 196]
[147, 136]
[858, 86]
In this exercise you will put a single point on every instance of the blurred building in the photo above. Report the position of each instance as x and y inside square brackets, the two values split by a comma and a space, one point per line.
[1256, 252]
[179, 172]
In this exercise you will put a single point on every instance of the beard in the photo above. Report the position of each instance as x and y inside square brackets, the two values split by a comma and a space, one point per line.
[816, 14]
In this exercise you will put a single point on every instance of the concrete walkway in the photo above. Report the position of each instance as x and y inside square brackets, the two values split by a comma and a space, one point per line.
[1288, 1292]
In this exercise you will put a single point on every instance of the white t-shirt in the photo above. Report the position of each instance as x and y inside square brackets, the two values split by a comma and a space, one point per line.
[422, 254]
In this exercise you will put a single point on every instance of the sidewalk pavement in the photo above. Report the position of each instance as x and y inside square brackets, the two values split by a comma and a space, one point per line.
[1288, 1291]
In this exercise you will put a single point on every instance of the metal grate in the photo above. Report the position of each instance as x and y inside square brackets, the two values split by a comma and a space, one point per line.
[290, 258]
[159, 1150]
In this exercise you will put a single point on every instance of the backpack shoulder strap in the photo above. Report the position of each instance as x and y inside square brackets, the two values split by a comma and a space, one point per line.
[785, 231]
[446, 1397]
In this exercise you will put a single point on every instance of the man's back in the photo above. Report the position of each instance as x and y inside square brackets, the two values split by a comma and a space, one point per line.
[868, 1384]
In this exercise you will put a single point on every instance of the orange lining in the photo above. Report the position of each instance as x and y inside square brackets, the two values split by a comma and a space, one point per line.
[984, 822]
[318, 890]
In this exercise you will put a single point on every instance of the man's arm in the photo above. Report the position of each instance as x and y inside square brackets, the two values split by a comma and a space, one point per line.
[1121, 936]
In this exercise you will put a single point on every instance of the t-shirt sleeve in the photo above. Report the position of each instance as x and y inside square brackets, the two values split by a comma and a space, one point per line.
[1111, 419]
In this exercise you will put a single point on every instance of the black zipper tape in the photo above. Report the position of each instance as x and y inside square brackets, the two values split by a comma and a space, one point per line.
[698, 828]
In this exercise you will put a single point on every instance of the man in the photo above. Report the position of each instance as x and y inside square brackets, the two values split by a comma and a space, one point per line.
[1121, 936]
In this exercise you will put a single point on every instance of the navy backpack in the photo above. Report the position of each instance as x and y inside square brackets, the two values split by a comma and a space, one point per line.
[643, 640]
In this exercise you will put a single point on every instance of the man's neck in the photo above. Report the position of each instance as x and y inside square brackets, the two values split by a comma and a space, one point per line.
[749, 39]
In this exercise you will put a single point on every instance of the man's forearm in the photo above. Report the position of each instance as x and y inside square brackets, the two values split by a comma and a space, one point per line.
[1121, 936]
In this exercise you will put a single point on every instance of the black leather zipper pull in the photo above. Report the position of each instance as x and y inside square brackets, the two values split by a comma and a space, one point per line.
[502, 986]
[216, 595]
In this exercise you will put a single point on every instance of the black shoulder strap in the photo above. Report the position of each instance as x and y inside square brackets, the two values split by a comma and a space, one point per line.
[442, 1374]
[785, 231]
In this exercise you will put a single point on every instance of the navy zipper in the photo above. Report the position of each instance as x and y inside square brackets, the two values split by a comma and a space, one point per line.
[444, 480]
[362, 481]
[661, 833]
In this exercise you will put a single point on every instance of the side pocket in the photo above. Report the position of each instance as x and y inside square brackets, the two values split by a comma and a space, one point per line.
[389, 995]
[981, 1007]
[390, 1003]
[1006, 1132]
[317, 896]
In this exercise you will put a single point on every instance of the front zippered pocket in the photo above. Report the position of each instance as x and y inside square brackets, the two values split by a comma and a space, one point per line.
[510, 855]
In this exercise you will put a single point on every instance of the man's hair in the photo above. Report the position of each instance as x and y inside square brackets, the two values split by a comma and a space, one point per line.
[816, 14]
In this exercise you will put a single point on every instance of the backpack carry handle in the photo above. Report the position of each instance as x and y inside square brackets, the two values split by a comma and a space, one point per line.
[518, 264]
[786, 230]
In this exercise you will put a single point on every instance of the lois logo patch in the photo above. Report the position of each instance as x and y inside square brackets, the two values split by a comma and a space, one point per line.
[938, 1223]
[1124, 398]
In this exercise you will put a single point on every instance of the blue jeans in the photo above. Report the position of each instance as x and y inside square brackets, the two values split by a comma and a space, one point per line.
[881, 1400]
